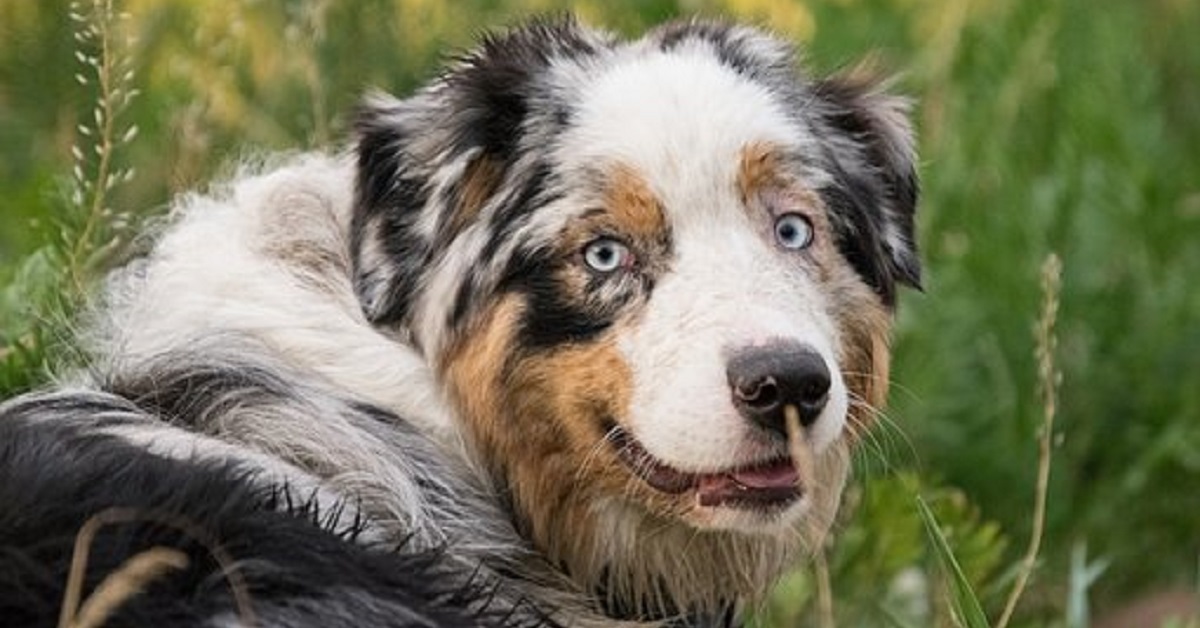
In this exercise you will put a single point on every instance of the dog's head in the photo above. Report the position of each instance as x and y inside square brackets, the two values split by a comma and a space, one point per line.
[624, 260]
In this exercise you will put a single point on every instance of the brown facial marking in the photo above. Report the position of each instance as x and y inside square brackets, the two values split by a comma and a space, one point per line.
[763, 176]
[538, 420]
[473, 367]
[479, 181]
[759, 169]
[634, 208]
[865, 325]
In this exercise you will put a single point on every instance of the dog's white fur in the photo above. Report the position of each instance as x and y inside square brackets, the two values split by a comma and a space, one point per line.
[227, 268]
[227, 264]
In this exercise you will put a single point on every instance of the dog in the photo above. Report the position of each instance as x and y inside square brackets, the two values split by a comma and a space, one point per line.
[525, 353]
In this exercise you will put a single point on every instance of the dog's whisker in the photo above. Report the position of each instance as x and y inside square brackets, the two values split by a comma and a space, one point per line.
[872, 438]
[594, 452]
[872, 447]
[893, 384]
[885, 426]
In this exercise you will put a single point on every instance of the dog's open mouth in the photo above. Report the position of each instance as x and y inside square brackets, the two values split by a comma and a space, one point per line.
[771, 484]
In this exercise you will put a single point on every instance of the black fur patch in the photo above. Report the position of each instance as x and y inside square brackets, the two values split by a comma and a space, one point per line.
[551, 318]
[858, 232]
[490, 95]
[876, 186]
[299, 570]
[389, 199]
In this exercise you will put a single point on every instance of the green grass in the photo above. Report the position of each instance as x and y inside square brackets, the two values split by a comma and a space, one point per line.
[965, 606]
[1068, 126]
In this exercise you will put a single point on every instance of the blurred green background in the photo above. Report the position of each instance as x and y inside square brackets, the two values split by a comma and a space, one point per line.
[1068, 126]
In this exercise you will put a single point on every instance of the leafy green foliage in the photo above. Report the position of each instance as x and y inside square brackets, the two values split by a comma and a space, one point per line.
[884, 569]
[31, 300]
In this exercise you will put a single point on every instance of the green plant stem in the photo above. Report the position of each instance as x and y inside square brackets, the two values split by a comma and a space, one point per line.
[102, 14]
[824, 590]
[1048, 379]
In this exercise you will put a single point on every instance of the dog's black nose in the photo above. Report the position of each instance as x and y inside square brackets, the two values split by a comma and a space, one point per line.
[766, 379]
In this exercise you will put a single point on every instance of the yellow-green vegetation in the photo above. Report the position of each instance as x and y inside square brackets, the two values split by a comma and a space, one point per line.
[1066, 126]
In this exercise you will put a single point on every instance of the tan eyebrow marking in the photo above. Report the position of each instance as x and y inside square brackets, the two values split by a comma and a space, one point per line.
[633, 206]
[763, 175]
[759, 168]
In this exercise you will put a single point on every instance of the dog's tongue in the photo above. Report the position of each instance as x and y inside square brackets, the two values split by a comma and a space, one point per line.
[768, 485]
[777, 476]
[781, 475]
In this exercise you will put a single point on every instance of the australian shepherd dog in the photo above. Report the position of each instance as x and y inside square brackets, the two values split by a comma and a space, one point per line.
[581, 332]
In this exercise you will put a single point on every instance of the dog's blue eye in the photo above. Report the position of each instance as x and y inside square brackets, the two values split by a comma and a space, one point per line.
[793, 231]
[605, 255]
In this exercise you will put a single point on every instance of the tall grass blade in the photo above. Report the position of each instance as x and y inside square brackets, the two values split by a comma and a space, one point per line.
[965, 603]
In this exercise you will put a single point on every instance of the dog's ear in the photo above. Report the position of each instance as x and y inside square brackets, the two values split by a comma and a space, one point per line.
[392, 190]
[875, 196]
[428, 165]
